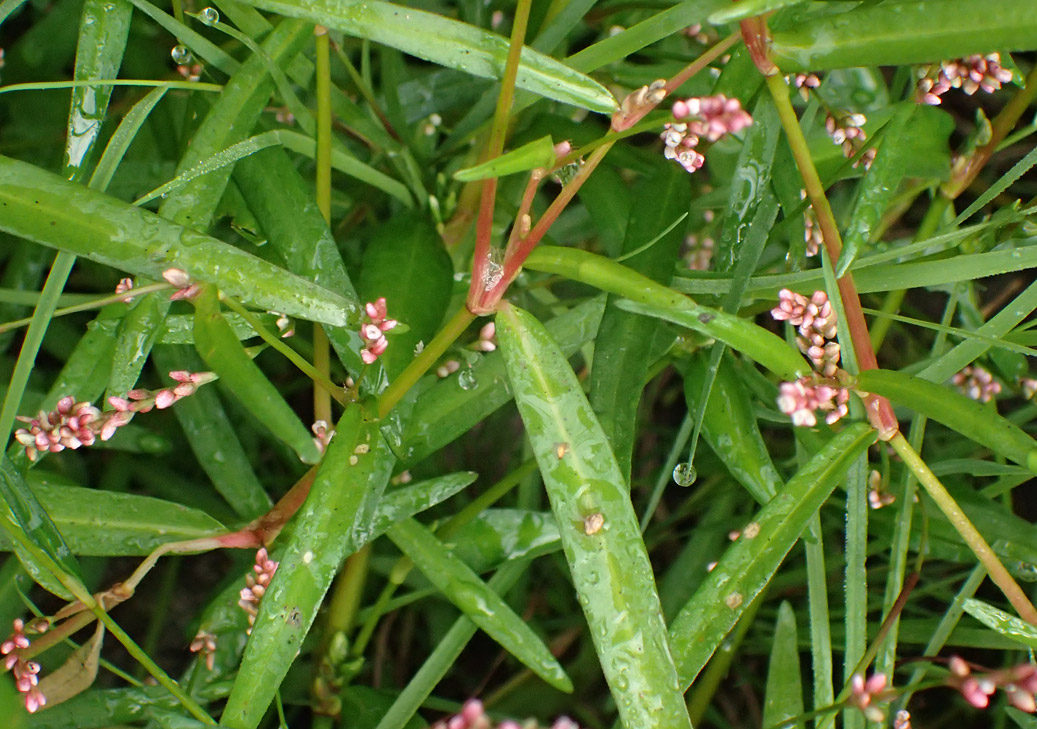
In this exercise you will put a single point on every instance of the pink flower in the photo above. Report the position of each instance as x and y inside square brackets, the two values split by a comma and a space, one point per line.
[802, 398]
[865, 693]
[255, 586]
[977, 383]
[185, 288]
[24, 672]
[372, 332]
[709, 117]
[204, 644]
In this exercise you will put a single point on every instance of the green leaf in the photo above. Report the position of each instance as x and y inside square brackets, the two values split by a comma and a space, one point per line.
[43, 207]
[36, 539]
[334, 522]
[750, 562]
[222, 352]
[784, 697]
[729, 426]
[500, 535]
[446, 410]
[539, 153]
[621, 348]
[483, 606]
[106, 523]
[611, 571]
[1007, 625]
[905, 31]
[213, 438]
[406, 263]
[972, 419]
[449, 43]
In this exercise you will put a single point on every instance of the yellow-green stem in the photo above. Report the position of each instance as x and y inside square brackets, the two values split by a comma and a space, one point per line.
[345, 599]
[321, 348]
[971, 536]
[425, 359]
[85, 306]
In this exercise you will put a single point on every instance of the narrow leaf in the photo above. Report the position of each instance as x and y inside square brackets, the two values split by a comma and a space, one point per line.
[484, 607]
[539, 153]
[449, 43]
[611, 571]
[784, 697]
[222, 352]
[749, 563]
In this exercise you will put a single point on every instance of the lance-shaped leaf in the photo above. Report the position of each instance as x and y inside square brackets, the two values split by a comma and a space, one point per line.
[222, 352]
[334, 522]
[538, 153]
[998, 620]
[600, 535]
[784, 698]
[449, 43]
[963, 414]
[483, 606]
[749, 563]
[653, 299]
[886, 34]
[45, 208]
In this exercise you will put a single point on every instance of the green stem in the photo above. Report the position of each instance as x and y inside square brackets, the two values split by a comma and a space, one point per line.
[153, 668]
[85, 306]
[290, 354]
[425, 359]
[971, 536]
[880, 412]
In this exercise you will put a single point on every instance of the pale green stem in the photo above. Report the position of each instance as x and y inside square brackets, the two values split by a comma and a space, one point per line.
[971, 536]
[321, 346]
[86, 306]
[290, 354]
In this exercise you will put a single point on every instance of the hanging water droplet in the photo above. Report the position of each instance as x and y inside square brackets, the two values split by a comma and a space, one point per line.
[684, 474]
[466, 380]
[181, 55]
[209, 16]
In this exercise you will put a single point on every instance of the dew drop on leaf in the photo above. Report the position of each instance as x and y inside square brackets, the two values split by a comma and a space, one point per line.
[466, 380]
[181, 55]
[684, 474]
[209, 16]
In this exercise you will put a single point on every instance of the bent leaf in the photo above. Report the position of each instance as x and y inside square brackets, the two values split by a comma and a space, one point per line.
[539, 153]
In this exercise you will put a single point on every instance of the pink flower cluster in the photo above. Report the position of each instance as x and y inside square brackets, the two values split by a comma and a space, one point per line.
[969, 74]
[800, 400]
[1019, 683]
[698, 253]
[848, 130]
[473, 716]
[255, 586]
[804, 82]
[811, 229]
[977, 383]
[878, 496]
[204, 644]
[373, 331]
[487, 341]
[710, 117]
[817, 327]
[185, 287]
[75, 424]
[863, 694]
[322, 434]
[25, 672]
[816, 324]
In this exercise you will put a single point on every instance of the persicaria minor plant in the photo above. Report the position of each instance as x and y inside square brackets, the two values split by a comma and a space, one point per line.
[487, 365]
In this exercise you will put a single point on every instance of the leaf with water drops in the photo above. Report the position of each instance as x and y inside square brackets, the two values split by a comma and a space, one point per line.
[998, 620]
[611, 571]
[749, 563]
[450, 43]
[334, 522]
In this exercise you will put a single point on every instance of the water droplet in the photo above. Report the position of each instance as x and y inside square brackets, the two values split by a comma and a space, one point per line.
[209, 16]
[181, 55]
[684, 474]
[466, 380]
